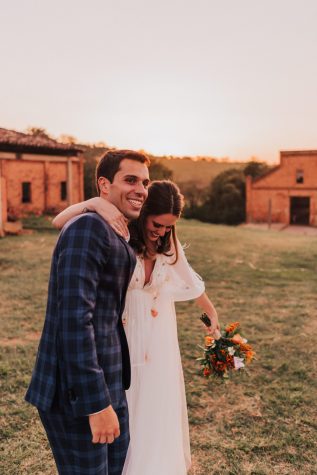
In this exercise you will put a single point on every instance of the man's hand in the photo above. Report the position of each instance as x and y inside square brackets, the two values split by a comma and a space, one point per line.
[104, 426]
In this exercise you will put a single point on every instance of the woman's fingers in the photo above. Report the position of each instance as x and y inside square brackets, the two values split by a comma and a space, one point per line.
[119, 225]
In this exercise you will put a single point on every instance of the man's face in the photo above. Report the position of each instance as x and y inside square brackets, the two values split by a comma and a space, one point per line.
[129, 188]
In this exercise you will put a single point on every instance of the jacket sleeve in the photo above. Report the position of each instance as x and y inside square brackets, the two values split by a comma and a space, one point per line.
[84, 251]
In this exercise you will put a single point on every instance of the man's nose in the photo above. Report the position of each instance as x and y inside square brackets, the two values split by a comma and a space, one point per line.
[140, 188]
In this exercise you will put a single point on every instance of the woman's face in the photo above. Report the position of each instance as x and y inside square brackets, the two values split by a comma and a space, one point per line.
[158, 225]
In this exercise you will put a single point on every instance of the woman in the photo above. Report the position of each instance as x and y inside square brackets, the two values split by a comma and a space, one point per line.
[157, 405]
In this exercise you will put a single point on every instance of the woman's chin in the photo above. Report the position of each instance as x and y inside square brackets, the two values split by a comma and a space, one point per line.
[153, 238]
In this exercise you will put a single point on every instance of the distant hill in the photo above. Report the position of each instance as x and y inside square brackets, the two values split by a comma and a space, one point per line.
[201, 171]
[185, 170]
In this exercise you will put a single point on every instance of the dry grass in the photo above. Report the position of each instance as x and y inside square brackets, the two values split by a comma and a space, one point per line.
[263, 423]
[200, 172]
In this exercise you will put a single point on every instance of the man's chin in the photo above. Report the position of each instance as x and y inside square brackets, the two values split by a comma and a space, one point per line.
[132, 214]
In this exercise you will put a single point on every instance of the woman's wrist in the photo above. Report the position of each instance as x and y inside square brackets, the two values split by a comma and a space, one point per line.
[90, 205]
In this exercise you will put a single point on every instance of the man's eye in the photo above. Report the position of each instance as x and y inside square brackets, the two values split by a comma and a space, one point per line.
[146, 183]
[131, 180]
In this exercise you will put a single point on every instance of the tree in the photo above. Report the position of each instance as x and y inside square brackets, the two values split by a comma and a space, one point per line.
[255, 169]
[38, 132]
[226, 199]
[195, 197]
[91, 158]
[67, 139]
[158, 171]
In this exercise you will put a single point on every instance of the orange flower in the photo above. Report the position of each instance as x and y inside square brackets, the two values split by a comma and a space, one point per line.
[249, 355]
[220, 366]
[206, 372]
[237, 338]
[244, 346]
[208, 340]
[154, 312]
[232, 326]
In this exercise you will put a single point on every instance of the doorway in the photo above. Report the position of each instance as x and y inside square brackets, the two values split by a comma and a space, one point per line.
[300, 210]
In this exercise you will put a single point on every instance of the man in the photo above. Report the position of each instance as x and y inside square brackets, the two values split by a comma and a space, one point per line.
[83, 367]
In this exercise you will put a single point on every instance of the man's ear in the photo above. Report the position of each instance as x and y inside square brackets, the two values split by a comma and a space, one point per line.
[103, 184]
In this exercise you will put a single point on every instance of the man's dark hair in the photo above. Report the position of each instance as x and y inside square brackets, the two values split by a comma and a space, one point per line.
[109, 163]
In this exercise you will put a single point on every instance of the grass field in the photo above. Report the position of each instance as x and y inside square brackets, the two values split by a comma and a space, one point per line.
[262, 423]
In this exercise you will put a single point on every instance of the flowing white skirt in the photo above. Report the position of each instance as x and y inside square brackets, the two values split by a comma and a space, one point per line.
[159, 431]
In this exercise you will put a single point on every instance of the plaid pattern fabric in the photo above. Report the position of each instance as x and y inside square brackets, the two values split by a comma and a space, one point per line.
[75, 454]
[83, 363]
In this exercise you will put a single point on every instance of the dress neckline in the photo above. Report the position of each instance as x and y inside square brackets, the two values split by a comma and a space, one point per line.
[142, 262]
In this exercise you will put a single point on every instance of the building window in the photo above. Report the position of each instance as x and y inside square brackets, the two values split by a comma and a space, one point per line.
[63, 190]
[26, 192]
[299, 176]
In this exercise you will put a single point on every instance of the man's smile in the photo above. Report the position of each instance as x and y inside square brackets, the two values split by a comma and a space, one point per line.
[135, 202]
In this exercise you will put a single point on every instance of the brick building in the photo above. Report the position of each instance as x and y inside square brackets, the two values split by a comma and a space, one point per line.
[287, 194]
[37, 175]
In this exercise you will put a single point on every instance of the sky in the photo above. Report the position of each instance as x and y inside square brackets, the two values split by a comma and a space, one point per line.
[229, 78]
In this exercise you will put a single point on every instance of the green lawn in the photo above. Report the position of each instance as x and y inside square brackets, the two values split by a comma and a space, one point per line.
[262, 423]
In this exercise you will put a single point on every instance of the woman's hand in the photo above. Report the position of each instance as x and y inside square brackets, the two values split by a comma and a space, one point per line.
[104, 208]
[206, 305]
[110, 214]
[214, 329]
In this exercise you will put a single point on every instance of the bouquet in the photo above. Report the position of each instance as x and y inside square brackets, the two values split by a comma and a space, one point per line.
[225, 352]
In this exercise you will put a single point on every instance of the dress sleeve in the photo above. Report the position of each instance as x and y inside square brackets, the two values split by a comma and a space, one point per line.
[186, 284]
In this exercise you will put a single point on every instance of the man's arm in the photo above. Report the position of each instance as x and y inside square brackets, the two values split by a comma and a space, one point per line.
[84, 250]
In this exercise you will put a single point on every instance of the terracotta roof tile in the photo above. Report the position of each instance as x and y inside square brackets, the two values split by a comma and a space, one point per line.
[13, 139]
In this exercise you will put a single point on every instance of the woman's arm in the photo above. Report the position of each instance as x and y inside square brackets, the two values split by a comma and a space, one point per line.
[103, 207]
[206, 305]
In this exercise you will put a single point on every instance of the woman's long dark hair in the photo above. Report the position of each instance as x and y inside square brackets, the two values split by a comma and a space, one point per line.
[164, 198]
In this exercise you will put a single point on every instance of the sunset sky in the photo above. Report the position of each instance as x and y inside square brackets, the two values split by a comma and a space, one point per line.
[230, 78]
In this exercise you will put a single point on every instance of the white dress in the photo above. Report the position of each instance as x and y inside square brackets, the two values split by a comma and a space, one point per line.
[159, 436]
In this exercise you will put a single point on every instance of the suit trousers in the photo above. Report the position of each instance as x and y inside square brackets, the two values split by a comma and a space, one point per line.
[75, 454]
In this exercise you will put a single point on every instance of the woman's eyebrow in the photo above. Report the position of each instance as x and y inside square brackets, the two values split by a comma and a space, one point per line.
[158, 225]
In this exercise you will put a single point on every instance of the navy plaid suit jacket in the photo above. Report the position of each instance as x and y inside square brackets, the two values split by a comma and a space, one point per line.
[83, 360]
